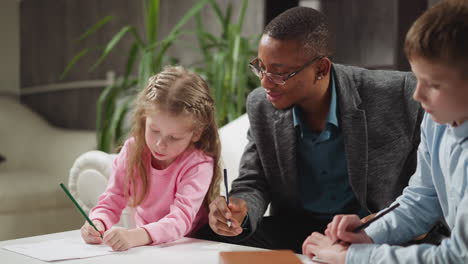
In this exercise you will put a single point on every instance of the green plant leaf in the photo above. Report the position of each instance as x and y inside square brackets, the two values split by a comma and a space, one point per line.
[104, 107]
[152, 47]
[111, 44]
[190, 13]
[72, 62]
[95, 27]
[165, 44]
[117, 118]
[152, 20]
[235, 62]
[201, 39]
[227, 18]
[218, 12]
[120, 130]
[145, 67]
[242, 14]
[212, 39]
[132, 56]
[226, 67]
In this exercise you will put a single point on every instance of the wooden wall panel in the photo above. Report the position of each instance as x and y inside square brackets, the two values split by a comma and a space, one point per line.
[74, 109]
[365, 31]
[50, 29]
[370, 33]
[408, 12]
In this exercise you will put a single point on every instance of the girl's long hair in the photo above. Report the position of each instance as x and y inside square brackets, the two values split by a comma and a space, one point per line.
[176, 91]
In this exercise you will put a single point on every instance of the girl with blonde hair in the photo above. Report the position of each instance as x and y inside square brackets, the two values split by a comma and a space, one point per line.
[167, 169]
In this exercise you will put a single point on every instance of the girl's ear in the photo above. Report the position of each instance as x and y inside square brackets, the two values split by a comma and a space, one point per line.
[197, 133]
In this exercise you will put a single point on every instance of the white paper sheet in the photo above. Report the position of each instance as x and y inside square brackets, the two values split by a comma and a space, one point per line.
[317, 260]
[60, 249]
[314, 260]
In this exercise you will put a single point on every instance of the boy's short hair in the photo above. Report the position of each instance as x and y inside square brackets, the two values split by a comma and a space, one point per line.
[306, 25]
[441, 34]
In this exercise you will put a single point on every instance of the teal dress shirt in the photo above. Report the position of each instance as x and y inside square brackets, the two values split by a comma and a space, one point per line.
[322, 171]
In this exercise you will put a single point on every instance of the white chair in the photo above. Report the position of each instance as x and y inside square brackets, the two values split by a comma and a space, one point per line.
[90, 172]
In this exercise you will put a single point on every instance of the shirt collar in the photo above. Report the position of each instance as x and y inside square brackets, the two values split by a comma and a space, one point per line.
[332, 112]
[461, 131]
[332, 117]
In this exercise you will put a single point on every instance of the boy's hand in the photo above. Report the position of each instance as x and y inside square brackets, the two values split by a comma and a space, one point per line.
[341, 229]
[323, 247]
[120, 239]
[90, 235]
[220, 213]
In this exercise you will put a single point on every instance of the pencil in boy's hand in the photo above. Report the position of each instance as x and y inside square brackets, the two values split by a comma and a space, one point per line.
[366, 224]
[79, 207]
[384, 212]
[229, 223]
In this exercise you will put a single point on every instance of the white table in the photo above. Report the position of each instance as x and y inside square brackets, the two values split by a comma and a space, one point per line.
[188, 250]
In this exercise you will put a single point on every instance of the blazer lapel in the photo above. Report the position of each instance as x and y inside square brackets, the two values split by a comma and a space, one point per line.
[355, 141]
[285, 145]
[354, 129]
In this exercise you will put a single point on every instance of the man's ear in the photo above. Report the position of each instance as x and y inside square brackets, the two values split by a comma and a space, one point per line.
[324, 67]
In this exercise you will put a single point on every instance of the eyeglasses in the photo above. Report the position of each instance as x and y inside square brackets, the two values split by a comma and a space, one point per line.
[280, 79]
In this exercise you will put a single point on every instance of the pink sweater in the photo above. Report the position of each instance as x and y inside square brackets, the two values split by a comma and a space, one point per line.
[175, 204]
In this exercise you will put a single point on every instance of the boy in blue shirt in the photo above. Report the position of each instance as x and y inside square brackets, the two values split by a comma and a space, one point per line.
[437, 48]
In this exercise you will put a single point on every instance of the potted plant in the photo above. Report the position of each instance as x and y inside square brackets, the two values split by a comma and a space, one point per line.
[225, 62]
[147, 55]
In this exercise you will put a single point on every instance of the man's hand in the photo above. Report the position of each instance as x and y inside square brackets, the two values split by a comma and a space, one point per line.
[90, 235]
[341, 229]
[323, 247]
[220, 213]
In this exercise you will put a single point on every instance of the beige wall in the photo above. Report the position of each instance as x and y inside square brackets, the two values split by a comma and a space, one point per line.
[9, 47]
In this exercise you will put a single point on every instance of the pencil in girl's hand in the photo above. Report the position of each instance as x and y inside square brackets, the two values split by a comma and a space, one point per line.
[229, 223]
[79, 207]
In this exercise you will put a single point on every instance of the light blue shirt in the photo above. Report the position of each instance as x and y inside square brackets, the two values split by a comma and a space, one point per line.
[439, 188]
[322, 171]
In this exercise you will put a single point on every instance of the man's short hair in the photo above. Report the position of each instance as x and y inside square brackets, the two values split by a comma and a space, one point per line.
[441, 34]
[306, 25]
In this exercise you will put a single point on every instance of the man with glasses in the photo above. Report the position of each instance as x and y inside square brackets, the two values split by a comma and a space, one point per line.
[324, 139]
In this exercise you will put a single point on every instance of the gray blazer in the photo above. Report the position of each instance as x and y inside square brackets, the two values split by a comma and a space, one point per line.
[380, 125]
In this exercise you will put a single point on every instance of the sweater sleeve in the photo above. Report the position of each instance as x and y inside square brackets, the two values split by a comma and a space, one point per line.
[190, 194]
[112, 202]
[420, 209]
[451, 250]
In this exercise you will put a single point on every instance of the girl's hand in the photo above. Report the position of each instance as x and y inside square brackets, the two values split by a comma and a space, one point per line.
[120, 239]
[90, 235]
[341, 229]
[323, 247]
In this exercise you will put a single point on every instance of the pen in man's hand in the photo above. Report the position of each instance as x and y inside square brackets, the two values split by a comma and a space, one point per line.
[366, 224]
[229, 223]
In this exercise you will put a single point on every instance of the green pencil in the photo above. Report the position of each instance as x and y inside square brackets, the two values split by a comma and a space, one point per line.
[79, 207]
